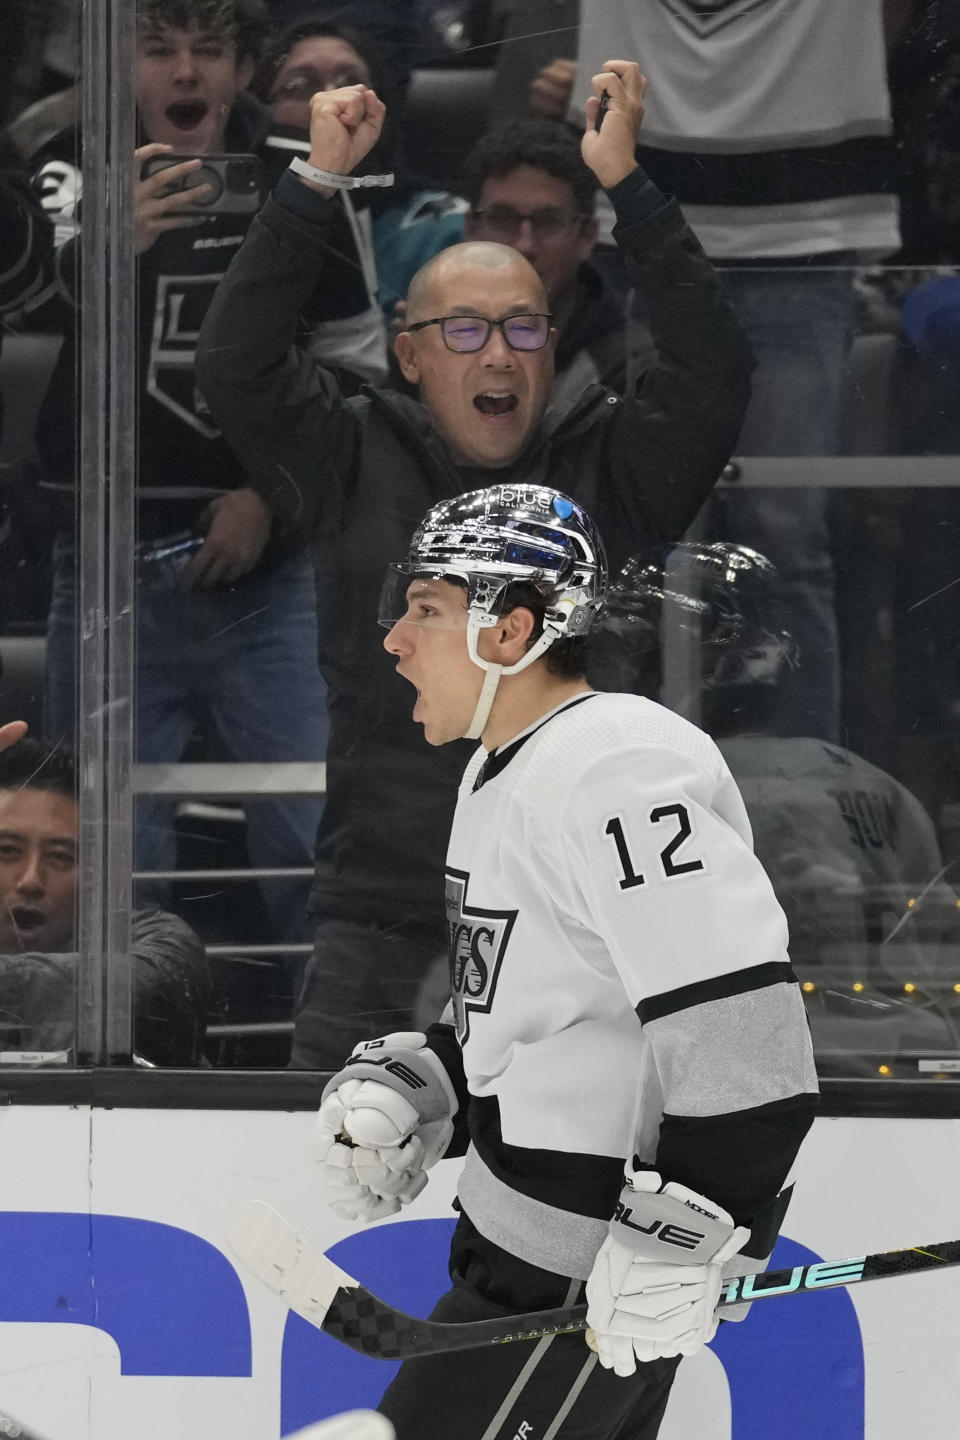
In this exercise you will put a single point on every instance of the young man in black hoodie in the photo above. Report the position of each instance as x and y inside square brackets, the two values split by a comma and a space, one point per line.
[233, 635]
[528, 186]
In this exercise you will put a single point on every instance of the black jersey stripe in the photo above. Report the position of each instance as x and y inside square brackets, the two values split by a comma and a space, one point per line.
[707, 17]
[442, 1039]
[863, 166]
[742, 1159]
[585, 1184]
[498, 760]
[720, 987]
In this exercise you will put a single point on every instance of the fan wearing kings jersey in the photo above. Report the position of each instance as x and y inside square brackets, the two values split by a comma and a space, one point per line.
[229, 636]
[625, 1061]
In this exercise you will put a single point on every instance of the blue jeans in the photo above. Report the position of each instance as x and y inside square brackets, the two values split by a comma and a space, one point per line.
[800, 324]
[245, 656]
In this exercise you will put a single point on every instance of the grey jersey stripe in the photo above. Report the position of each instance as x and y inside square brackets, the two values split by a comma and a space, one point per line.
[540, 1234]
[856, 129]
[734, 1053]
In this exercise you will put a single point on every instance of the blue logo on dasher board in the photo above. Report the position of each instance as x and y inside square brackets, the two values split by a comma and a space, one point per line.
[174, 1306]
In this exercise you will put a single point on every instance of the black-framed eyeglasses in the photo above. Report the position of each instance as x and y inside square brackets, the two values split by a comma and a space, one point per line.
[502, 222]
[300, 86]
[466, 333]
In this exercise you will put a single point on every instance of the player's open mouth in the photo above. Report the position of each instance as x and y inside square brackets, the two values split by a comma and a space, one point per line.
[187, 114]
[496, 403]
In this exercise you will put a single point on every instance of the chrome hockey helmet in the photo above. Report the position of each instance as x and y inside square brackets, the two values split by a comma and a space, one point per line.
[726, 597]
[489, 539]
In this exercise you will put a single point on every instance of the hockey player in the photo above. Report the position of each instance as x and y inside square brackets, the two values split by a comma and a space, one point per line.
[627, 1062]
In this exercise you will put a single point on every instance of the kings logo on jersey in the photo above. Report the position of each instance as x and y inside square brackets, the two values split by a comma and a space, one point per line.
[182, 302]
[477, 942]
[706, 17]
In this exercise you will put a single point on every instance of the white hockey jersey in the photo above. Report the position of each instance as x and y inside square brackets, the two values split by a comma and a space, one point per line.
[620, 981]
[770, 120]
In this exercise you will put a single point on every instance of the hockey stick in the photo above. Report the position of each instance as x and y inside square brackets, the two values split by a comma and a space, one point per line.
[315, 1288]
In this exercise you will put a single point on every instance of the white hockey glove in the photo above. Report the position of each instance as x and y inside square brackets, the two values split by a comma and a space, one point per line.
[384, 1119]
[655, 1283]
[351, 1425]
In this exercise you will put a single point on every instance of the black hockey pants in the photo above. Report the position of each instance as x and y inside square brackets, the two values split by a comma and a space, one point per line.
[549, 1389]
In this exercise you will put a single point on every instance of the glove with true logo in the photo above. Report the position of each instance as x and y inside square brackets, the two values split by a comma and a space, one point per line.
[655, 1283]
[384, 1119]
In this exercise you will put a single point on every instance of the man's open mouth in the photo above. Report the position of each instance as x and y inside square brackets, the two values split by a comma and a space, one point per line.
[493, 403]
[27, 921]
[187, 114]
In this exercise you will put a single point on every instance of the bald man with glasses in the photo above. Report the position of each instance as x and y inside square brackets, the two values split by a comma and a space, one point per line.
[358, 474]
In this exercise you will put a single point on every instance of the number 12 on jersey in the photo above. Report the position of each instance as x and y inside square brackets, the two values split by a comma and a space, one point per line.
[671, 867]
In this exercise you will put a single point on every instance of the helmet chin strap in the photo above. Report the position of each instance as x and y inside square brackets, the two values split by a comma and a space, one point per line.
[477, 621]
[485, 700]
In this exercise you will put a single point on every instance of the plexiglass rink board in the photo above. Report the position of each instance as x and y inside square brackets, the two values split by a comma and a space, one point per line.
[844, 473]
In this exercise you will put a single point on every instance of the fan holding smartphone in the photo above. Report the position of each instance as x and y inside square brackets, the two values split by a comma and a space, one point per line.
[225, 614]
[219, 184]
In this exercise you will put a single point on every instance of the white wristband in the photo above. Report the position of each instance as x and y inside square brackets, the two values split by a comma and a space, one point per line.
[338, 182]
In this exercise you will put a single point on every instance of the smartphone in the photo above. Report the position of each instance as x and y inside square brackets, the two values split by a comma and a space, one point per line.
[604, 107]
[159, 564]
[238, 183]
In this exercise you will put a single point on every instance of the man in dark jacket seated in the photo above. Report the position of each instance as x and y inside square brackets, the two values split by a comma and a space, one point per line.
[39, 822]
[357, 475]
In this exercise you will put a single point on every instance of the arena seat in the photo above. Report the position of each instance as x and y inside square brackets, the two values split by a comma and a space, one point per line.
[26, 364]
[446, 111]
[868, 419]
[22, 668]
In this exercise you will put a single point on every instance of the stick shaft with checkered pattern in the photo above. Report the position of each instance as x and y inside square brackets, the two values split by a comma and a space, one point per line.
[298, 1271]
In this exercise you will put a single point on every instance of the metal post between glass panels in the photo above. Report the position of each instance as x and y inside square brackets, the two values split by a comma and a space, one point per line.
[107, 465]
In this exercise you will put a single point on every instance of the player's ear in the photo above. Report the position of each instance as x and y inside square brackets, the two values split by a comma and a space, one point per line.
[515, 634]
[406, 353]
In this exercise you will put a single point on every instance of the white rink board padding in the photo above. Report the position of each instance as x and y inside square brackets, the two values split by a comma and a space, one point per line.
[351, 1425]
[122, 1314]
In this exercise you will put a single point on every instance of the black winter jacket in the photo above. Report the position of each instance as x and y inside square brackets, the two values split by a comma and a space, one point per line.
[358, 475]
[38, 996]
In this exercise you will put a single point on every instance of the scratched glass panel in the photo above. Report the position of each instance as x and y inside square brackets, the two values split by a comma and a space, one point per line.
[39, 813]
[836, 247]
[853, 807]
